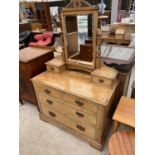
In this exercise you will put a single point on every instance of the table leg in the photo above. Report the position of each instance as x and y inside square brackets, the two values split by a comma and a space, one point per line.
[116, 125]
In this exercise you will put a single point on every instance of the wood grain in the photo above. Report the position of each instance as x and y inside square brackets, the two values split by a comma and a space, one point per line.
[77, 84]
[125, 112]
[122, 143]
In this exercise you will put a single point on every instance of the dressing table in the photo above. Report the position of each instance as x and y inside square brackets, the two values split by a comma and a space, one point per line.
[73, 94]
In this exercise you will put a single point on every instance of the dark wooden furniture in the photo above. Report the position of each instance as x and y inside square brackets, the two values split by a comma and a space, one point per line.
[125, 112]
[43, 15]
[24, 27]
[31, 63]
[133, 90]
[86, 53]
[122, 143]
[124, 78]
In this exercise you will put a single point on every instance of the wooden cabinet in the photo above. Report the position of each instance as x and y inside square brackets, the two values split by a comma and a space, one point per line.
[73, 102]
[43, 14]
[31, 63]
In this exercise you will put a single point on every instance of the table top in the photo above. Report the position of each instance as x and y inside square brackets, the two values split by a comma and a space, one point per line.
[125, 111]
[76, 83]
[30, 53]
[122, 143]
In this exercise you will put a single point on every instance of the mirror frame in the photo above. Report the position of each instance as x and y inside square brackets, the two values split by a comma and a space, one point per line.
[80, 11]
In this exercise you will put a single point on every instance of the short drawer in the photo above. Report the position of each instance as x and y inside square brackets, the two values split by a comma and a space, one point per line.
[47, 90]
[54, 115]
[80, 102]
[80, 114]
[104, 81]
[51, 103]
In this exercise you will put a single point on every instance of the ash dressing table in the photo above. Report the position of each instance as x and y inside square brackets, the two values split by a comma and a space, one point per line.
[73, 94]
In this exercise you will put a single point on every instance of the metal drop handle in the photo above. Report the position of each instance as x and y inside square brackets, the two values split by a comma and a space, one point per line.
[52, 114]
[80, 127]
[47, 91]
[101, 81]
[79, 114]
[49, 101]
[79, 103]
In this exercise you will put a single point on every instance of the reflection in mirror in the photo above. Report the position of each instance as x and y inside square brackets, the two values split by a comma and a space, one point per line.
[79, 38]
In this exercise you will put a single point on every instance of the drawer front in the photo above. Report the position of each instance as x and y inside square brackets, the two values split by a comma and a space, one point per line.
[51, 103]
[103, 81]
[48, 90]
[52, 68]
[56, 69]
[80, 114]
[79, 102]
[81, 128]
[69, 122]
[54, 115]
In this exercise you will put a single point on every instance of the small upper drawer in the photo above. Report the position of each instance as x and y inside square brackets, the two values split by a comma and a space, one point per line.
[80, 102]
[47, 90]
[104, 81]
[106, 76]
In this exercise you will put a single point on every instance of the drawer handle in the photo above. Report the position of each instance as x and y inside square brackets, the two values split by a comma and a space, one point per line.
[80, 127]
[52, 114]
[49, 101]
[47, 91]
[79, 103]
[79, 114]
[101, 81]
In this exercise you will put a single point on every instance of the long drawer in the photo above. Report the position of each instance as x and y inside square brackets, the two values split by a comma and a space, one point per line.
[80, 102]
[58, 105]
[48, 90]
[73, 124]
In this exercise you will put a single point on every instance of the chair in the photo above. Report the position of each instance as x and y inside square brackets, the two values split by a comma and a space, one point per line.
[44, 39]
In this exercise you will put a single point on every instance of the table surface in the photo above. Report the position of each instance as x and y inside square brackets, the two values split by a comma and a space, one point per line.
[31, 53]
[125, 111]
[76, 83]
[122, 143]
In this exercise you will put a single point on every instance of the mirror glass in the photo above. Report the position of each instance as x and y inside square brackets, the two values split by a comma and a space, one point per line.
[79, 38]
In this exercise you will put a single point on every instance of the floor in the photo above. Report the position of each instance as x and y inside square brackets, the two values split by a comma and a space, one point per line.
[40, 138]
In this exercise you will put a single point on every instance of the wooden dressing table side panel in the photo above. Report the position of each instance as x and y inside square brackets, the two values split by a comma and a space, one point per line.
[104, 118]
[37, 96]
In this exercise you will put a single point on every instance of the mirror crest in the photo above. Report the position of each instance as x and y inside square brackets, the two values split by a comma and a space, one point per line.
[78, 3]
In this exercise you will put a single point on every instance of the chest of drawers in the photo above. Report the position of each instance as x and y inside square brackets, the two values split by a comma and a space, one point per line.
[71, 100]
